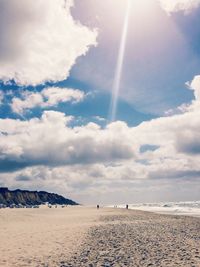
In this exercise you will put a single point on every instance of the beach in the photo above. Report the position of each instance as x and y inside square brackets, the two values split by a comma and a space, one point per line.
[85, 236]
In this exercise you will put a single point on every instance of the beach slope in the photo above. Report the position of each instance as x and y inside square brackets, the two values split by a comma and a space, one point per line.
[80, 236]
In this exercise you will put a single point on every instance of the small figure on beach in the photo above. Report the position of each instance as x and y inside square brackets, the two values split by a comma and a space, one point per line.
[97, 206]
[127, 207]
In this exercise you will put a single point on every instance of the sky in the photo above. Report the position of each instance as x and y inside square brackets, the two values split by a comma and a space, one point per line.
[100, 100]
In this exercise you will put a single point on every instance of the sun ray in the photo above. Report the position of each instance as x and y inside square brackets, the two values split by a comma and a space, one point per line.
[120, 61]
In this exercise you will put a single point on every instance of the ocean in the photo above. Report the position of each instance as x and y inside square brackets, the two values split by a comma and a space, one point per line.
[189, 208]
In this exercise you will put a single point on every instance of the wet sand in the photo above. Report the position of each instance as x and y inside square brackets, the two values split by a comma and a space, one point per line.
[80, 236]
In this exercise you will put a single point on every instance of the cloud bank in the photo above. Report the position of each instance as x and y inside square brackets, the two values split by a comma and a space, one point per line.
[50, 141]
[40, 40]
[48, 97]
[48, 153]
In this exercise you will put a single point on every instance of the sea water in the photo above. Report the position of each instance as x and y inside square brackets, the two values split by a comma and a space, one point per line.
[189, 208]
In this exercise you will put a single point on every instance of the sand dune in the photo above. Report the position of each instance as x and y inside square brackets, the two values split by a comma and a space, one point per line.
[79, 236]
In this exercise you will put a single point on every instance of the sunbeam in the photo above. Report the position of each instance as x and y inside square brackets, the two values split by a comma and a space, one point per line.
[120, 61]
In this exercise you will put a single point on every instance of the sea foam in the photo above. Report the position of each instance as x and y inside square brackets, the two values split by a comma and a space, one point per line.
[189, 208]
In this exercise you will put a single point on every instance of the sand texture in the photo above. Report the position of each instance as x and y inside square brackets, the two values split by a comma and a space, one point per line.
[42, 237]
[88, 237]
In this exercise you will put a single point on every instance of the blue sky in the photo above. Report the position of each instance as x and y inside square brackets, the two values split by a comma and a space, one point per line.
[57, 73]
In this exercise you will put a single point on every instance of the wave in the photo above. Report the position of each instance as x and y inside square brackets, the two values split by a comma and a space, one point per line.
[190, 208]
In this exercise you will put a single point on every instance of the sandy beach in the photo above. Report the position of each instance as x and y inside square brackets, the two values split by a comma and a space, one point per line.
[81, 236]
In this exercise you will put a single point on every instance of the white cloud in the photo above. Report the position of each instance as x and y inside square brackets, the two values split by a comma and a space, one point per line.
[100, 119]
[48, 152]
[186, 6]
[48, 97]
[40, 40]
[195, 86]
[56, 95]
[49, 141]
[98, 183]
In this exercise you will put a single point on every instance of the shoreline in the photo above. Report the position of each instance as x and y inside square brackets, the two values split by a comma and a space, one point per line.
[165, 212]
[168, 208]
[85, 236]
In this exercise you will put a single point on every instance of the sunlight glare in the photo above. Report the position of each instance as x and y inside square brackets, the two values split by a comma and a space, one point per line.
[120, 61]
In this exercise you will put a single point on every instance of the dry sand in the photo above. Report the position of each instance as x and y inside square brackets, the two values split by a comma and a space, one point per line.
[79, 236]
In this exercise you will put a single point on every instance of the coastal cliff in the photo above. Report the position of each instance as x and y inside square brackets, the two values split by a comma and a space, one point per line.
[25, 197]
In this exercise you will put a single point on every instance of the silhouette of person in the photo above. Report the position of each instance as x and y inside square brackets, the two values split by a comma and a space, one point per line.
[97, 206]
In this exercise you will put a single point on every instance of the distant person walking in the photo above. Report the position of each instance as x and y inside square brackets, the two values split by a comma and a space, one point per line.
[127, 207]
[97, 206]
